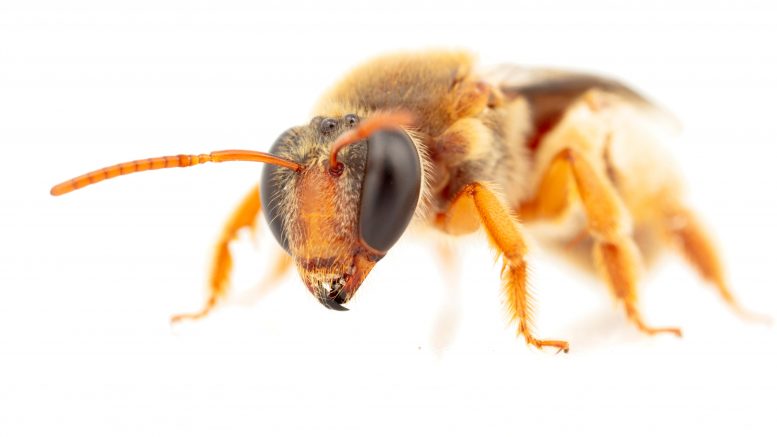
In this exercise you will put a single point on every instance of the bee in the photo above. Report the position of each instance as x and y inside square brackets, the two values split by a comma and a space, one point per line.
[427, 139]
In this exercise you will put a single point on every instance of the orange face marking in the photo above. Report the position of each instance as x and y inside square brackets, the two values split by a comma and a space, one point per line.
[318, 217]
[327, 250]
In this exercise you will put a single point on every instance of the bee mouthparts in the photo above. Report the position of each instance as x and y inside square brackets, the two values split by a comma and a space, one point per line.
[332, 293]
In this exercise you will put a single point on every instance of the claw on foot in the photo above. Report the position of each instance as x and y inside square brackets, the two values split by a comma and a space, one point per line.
[753, 317]
[560, 345]
[177, 318]
[653, 331]
[636, 318]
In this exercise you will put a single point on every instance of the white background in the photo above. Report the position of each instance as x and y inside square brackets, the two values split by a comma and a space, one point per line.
[88, 281]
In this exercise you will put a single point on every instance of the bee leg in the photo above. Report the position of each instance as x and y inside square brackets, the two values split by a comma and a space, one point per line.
[243, 217]
[504, 233]
[280, 267]
[448, 317]
[554, 193]
[685, 231]
[618, 262]
[615, 253]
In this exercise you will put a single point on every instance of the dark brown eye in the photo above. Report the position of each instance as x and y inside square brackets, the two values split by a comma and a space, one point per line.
[391, 188]
[351, 120]
[327, 125]
[271, 192]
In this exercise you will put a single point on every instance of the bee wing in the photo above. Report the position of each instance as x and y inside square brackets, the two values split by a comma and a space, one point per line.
[550, 92]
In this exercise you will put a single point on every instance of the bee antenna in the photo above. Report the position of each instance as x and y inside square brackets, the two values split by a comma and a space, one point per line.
[379, 121]
[173, 161]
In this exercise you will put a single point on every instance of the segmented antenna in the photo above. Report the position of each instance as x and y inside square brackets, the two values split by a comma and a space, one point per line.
[173, 161]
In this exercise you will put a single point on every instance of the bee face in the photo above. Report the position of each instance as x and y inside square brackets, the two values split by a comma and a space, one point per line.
[337, 223]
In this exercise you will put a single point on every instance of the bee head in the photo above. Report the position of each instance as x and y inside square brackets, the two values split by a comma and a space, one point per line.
[355, 195]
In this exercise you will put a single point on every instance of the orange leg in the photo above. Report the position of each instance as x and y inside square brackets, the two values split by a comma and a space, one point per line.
[554, 194]
[615, 253]
[278, 271]
[280, 267]
[505, 235]
[243, 217]
[447, 319]
[685, 230]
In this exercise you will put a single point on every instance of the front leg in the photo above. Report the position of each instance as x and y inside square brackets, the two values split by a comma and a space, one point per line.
[504, 233]
[243, 217]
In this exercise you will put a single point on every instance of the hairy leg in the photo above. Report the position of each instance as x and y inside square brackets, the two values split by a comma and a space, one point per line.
[281, 265]
[684, 229]
[448, 317]
[617, 258]
[505, 235]
[243, 217]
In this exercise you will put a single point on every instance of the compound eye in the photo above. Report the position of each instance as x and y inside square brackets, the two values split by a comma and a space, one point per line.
[271, 187]
[391, 188]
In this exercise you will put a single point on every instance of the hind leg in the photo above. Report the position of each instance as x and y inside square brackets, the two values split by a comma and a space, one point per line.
[570, 176]
[684, 230]
[243, 217]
